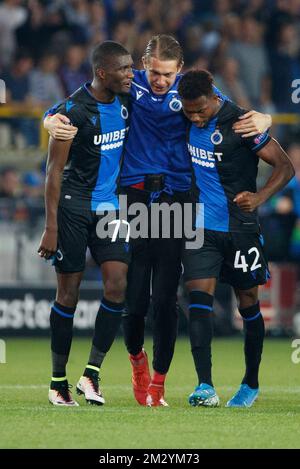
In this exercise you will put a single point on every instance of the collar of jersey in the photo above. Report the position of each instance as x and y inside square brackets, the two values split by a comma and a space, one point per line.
[225, 112]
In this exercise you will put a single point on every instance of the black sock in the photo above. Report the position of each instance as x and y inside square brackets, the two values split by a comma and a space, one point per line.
[201, 332]
[133, 328]
[106, 327]
[254, 333]
[58, 383]
[165, 325]
[61, 324]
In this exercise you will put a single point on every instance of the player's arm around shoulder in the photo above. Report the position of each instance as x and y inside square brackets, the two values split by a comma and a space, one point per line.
[57, 158]
[59, 127]
[252, 123]
[283, 171]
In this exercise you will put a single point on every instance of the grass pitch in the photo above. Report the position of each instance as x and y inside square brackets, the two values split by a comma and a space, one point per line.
[29, 421]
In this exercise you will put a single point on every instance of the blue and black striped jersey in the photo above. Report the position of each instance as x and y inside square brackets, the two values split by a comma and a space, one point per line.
[224, 164]
[92, 172]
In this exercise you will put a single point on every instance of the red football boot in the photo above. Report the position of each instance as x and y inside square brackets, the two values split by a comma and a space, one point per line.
[155, 396]
[140, 376]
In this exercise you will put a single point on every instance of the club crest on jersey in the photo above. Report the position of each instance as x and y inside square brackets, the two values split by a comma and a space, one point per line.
[175, 105]
[216, 137]
[124, 112]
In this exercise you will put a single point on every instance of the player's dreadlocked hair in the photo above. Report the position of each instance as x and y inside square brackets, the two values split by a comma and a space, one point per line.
[105, 50]
[196, 83]
[164, 47]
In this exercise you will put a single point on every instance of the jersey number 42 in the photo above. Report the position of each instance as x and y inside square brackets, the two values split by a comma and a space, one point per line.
[240, 260]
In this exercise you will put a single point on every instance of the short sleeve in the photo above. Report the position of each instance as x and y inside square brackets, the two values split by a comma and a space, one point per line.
[68, 108]
[257, 142]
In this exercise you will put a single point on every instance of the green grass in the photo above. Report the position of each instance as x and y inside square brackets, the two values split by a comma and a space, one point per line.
[28, 421]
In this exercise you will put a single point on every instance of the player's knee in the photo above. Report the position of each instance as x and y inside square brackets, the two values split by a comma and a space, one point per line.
[247, 298]
[68, 297]
[115, 287]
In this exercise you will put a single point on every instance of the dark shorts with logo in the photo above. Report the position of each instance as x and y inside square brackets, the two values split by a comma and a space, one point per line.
[77, 232]
[234, 258]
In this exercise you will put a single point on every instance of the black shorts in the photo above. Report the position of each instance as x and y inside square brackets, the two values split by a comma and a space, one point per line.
[155, 268]
[234, 258]
[76, 232]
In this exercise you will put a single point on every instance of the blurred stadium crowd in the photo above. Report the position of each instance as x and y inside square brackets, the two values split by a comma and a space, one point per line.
[251, 46]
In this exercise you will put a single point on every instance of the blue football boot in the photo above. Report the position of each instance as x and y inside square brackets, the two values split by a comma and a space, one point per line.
[204, 395]
[244, 397]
